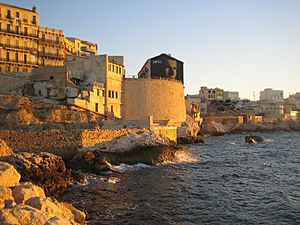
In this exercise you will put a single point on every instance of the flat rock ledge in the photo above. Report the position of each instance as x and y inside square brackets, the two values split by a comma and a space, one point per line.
[25, 203]
[145, 147]
[42, 169]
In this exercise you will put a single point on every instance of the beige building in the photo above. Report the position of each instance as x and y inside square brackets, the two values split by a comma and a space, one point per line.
[18, 38]
[105, 69]
[211, 94]
[91, 99]
[271, 95]
[51, 47]
[160, 98]
[77, 47]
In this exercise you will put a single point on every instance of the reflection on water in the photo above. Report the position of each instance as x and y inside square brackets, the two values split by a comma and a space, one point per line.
[230, 183]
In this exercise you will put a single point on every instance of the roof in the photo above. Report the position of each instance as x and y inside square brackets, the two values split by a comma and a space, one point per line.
[168, 55]
[17, 7]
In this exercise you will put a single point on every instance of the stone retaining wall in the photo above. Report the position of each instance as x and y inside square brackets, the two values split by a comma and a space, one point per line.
[57, 141]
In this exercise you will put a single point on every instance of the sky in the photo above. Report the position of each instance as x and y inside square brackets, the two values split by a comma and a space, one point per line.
[236, 45]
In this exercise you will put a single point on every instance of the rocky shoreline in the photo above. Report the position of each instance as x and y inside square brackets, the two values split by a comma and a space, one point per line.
[44, 175]
[217, 129]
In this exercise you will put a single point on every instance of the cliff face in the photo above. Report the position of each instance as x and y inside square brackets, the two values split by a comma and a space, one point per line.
[17, 112]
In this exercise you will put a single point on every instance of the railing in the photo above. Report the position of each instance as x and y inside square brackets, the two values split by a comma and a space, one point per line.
[52, 42]
[19, 33]
[53, 55]
[18, 62]
[18, 47]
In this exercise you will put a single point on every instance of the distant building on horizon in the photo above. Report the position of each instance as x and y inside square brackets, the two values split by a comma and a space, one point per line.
[268, 94]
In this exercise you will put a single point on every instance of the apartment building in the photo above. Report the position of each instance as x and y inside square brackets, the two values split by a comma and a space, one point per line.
[77, 47]
[18, 38]
[269, 94]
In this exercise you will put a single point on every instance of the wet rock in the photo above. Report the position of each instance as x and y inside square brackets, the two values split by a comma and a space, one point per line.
[253, 139]
[146, 147]
[43, 169]
[190, 140]
[27, 191]
[9, 176]
[4, 149]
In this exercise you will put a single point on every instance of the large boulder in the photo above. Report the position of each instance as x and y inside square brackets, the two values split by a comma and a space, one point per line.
[62, 210]
[23, 214]
[27, 191]
[253, 139]
[188, 132]
[6, 197]
[133, 148]
[5, 150]
[43, 169]
[9, 176]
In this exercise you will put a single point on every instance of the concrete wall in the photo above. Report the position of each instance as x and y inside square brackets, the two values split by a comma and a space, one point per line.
[13, 83]
[162, 99]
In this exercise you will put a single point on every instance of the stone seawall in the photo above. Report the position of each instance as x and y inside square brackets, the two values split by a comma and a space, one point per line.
[58, 141]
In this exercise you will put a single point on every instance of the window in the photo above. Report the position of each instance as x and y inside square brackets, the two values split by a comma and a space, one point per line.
[25, 31]
[43, 62]
[43, 49]
[8, 69]
[109, 94]
[209, 91]
[17, 14]
[25, 58]
[17, 29]
[103, 93]
[43, 37]
[57, 39]
[8, 15]
[8, 27]
[112, 94]
[117, 95]
[112, 108]
[96, 106]
[57, 52]
[113, 68]
[7, 56]
[17, 57]
[98, 92]
[34, 19]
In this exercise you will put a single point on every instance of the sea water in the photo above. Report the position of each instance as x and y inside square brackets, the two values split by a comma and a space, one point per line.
[224, 181]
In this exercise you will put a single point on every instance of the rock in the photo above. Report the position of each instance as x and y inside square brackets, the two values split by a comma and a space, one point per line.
[4, 149]
[27, 191]
[188, 131]
[6, 197]
[62, 210]
[78, 216]
[43, 169]
[9, 176]
[59, 221]
[145, 147]
[253, 139]
[23, 215]
[190, 140]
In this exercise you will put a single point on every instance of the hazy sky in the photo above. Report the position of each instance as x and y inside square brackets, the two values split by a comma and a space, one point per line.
[237, 45]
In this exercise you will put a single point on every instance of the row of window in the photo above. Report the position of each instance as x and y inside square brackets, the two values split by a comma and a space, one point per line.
[99, 92]
[10, 69]
[16, 57]
[17, 15]
[113, 94]
[115, 68]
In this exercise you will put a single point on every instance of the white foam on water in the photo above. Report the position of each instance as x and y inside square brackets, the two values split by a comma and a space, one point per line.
[123, 167]
[113, 180]
[184, 157]
[268, 140]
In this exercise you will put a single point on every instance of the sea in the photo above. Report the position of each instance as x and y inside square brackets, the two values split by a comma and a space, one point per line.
[224, 181]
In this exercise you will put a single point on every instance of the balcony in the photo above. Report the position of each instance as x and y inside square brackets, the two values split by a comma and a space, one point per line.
[18, 62]
[18, 34]
[51, 42]
[51, 55]
[19, 48]
[87, 49]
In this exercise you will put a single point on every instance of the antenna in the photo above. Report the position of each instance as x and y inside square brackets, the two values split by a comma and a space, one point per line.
[254, 95]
